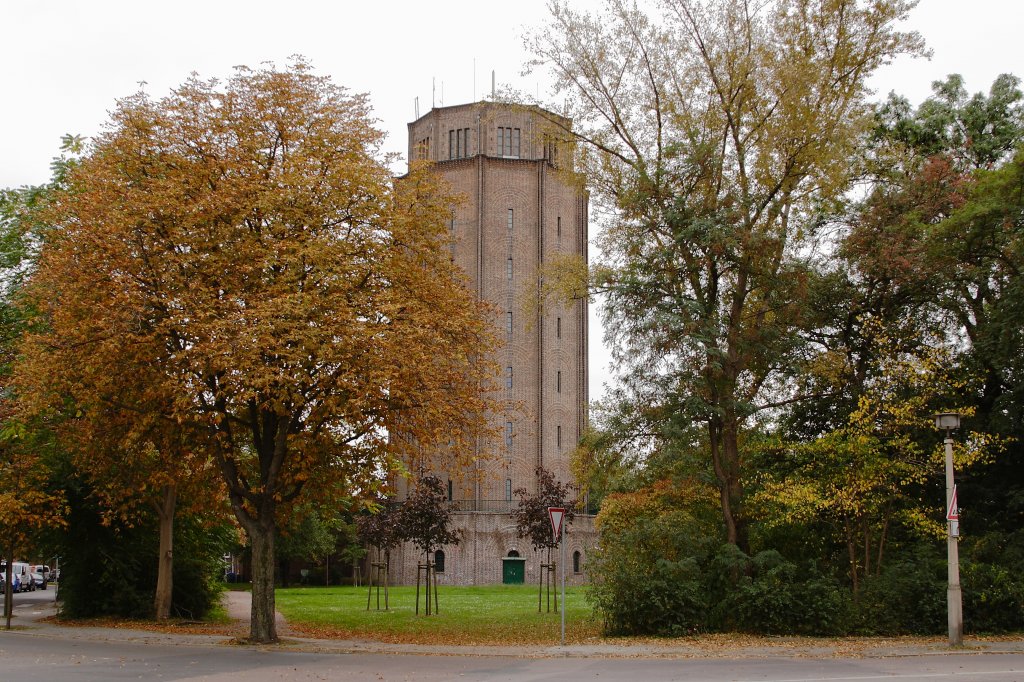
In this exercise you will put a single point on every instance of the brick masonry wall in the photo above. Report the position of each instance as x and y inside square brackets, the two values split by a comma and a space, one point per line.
[547, 354]
[488, 538]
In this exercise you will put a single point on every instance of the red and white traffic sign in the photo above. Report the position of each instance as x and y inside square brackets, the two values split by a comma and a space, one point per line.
[556, 514]
[953, 513]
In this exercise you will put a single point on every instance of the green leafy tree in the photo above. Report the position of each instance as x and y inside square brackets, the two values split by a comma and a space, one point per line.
[975, 132]
[307, 535]
[868, 481]
[715, 133]
[28, 501]
[937, 246]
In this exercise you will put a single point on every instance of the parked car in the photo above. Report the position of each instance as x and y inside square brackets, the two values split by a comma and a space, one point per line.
[45, 577]
[38, 581]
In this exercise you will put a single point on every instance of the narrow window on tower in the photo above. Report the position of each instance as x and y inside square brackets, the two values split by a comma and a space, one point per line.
[508, 489]
[422, 149]
[558, 328]
[450, 491]
[508, 434]
[558, 436]
[558, 382]
[558, 229]
[511, 219]
[508, 142]
[508, 377]
[550, 149]
[458, 143]
[508, 266]
[508, 322]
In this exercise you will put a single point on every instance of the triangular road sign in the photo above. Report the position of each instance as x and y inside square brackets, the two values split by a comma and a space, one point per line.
[556, 514]
[953, 513]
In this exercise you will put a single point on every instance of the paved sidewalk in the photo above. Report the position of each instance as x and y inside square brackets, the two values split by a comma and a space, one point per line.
[31, 622]
[238, 604]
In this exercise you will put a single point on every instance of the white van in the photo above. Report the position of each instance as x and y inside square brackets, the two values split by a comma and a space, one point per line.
[23, 573]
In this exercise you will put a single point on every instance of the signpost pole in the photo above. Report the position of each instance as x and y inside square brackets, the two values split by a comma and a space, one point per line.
[557, 515]
[954, 598]
[562, 562]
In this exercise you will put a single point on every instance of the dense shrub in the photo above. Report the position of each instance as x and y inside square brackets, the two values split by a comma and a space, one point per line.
[766, 594]
[907, 597]
[723, 590]
[112, 569]
[993, 598]
[639, 592]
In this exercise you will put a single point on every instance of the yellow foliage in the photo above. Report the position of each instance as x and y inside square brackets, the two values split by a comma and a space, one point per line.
[620, 510]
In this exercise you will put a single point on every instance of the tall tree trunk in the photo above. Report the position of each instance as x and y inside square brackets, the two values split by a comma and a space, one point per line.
[724, 441]
[165, 566]
[715, 442]
[867, 546]
[9, 586]
[881, 545]
[262, 627]
[851, 548]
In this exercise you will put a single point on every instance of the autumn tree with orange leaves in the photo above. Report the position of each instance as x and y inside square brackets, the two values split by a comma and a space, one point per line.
[245, 242]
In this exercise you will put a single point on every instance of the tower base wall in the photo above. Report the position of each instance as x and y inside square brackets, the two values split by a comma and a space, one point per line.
[487, 539]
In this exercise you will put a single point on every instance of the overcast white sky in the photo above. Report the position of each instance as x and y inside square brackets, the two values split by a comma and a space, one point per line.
[65, 62]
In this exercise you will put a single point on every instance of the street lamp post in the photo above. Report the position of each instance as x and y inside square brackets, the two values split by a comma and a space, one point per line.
[948, 422]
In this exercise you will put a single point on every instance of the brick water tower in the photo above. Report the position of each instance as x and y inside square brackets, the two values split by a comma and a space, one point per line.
[523, 207]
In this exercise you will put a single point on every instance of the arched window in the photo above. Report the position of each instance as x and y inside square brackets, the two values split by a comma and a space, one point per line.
[576, 562]
[513, 553]
[439, 561]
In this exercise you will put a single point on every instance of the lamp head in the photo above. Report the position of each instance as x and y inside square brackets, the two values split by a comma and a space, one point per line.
[947, 421]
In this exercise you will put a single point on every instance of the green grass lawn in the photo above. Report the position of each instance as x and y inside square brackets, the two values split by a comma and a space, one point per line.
[494, 614]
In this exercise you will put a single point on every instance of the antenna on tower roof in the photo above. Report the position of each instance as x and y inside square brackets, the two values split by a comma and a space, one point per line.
[417, 106]
[494, 88]
[433, 92]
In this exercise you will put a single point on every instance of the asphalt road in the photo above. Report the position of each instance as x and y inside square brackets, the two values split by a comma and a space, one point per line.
[45, 653]
[29, 658]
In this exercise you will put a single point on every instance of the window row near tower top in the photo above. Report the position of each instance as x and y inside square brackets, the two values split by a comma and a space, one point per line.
[507, 144]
